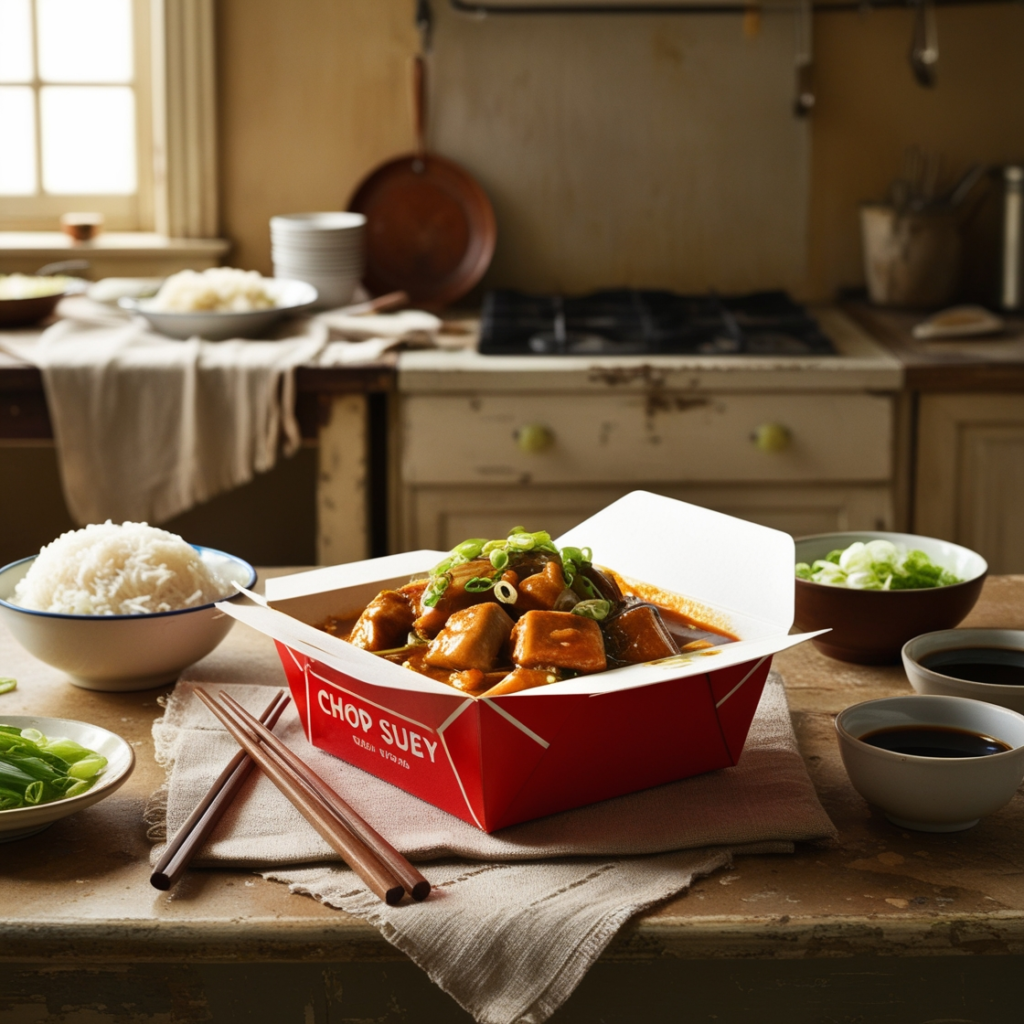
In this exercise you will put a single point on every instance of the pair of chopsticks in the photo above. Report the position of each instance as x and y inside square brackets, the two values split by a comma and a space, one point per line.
[373, 858]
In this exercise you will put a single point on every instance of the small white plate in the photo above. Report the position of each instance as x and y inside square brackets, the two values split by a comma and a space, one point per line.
[19, 822]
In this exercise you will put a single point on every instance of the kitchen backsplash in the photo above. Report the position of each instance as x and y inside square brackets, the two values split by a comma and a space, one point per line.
[655, 151]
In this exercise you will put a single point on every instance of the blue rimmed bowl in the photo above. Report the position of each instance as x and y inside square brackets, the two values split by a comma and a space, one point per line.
[122, 652]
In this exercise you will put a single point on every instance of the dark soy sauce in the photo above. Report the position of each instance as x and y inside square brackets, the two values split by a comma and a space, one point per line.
[1002, 666]
[935, 741]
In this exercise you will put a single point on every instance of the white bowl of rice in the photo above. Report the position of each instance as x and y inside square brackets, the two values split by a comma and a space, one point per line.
[120, 607]
[221, 303]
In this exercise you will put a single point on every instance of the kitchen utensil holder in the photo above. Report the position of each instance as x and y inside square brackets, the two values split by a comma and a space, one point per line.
[911, 258]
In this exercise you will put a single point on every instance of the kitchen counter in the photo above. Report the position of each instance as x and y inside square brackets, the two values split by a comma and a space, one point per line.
[889, 926]
[989, 363]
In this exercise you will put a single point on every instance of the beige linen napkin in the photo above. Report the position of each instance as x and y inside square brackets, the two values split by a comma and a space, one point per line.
[516, 918]
[146, 427]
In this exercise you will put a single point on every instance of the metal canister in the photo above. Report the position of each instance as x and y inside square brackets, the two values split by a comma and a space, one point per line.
[1011, 292]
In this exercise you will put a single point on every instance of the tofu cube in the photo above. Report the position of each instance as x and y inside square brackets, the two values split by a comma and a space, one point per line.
[544, 639]
[385, 622]
[473, 638]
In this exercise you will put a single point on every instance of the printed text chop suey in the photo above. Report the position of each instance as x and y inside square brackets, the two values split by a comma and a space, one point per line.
[369, 728]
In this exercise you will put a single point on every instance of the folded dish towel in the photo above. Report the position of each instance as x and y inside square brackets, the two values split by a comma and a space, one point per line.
[146, 427]
[519, 916]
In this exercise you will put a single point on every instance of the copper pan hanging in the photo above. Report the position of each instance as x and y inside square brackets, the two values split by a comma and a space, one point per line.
[430, 228]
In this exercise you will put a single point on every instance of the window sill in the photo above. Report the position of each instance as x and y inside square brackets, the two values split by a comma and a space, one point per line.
[111, 254]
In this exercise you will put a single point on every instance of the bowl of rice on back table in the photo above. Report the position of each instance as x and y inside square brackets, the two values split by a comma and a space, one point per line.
[121, 608]
[494, 761]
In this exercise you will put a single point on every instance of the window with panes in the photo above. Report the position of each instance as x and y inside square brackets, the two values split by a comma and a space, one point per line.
[75, 112]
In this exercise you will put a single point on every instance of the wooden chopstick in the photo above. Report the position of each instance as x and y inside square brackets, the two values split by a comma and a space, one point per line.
[191, 836]
[353, 851]
[413, 881]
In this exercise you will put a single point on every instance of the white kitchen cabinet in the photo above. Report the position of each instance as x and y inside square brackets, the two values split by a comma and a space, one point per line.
[684, 427]
[440, 517]
[635, 438]
[970, 474]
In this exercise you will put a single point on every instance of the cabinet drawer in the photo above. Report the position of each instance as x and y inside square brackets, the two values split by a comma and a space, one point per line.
[637, 438]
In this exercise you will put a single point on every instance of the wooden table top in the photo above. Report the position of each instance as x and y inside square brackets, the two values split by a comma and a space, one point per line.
[79, 892]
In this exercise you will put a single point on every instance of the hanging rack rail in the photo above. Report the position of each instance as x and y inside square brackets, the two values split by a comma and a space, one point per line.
[822, 7]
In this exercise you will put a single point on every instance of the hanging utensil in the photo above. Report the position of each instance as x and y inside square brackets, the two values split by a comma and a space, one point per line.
[924, 44]
[803, 102]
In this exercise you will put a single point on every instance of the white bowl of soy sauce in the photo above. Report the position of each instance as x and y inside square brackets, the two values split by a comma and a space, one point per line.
[983, 664]
[933, 763]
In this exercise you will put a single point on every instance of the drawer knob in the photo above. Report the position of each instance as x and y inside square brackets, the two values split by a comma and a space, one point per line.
[771, 437]
[534, 437]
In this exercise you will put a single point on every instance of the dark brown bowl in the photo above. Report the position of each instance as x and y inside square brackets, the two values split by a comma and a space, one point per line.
[870, 627]
[25, 312]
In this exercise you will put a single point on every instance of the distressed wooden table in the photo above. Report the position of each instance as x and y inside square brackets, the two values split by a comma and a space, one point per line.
[888, 927]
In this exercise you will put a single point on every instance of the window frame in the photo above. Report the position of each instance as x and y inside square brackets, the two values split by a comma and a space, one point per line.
[132, 212]
[176, 135]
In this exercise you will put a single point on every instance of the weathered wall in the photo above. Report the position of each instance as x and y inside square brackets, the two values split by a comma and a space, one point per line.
[650, 150]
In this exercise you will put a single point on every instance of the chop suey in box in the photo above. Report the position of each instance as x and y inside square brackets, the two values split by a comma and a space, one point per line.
[494, 757]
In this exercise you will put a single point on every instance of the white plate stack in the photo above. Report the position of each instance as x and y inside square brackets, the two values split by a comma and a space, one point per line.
[324, 249]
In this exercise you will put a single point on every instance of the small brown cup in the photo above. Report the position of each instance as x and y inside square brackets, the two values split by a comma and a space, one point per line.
[82, 227]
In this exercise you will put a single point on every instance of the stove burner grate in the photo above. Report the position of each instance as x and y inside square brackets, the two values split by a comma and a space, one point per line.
[647, 322]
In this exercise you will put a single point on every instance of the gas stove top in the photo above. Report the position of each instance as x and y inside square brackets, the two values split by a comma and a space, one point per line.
[632, 322]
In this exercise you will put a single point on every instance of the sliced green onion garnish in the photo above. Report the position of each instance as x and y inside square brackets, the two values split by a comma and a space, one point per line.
[522, 541]
[32, 770]
[505, 592]
[499, 559]
[7, 684]
[471, 549]
[435, 591]
[478, 585]
[87, 767]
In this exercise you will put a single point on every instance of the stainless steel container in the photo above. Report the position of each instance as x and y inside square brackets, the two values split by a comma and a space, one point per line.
[1011, 287]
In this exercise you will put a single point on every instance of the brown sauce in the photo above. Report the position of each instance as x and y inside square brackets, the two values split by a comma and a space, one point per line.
[673, 632]
[998, 666]
[935, 741]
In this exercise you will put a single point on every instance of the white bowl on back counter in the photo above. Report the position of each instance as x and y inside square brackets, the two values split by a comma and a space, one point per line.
[122, 652]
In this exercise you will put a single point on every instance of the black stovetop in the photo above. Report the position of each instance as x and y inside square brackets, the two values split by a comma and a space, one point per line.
[646, 322]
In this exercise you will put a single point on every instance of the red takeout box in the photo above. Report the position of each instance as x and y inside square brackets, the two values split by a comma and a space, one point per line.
[497, 761]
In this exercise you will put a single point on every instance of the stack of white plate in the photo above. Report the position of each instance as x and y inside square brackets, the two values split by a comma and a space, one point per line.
[324, 249]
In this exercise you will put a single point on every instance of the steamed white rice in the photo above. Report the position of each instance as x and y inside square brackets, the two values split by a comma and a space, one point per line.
[217, 290]
[106, 569]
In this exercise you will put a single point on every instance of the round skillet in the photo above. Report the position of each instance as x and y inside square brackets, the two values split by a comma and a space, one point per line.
[430, 228]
